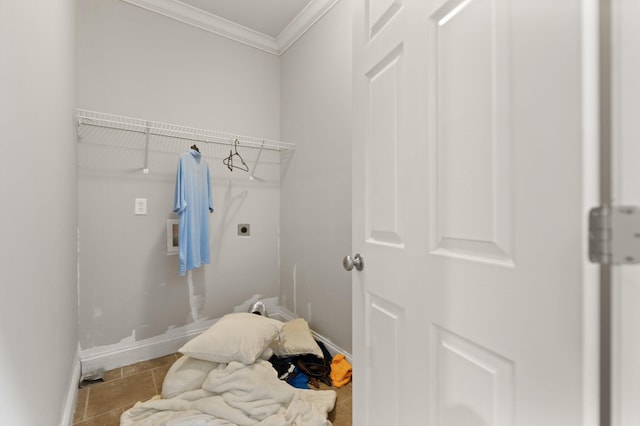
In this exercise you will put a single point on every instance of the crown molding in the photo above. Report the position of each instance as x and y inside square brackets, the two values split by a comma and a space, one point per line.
[175, 9]
[311, 14]
[198, 18]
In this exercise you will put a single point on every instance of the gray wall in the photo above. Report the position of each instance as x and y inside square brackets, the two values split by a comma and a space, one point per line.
[38, 292]
[315, 216]
[136, 63]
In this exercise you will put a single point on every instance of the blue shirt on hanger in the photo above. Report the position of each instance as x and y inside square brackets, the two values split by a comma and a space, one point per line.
[192, 203]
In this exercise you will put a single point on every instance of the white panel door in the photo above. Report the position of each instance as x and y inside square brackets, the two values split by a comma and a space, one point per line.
[469, 211]
[626, 191]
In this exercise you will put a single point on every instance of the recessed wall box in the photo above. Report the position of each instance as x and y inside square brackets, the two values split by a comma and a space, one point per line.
[244, 230]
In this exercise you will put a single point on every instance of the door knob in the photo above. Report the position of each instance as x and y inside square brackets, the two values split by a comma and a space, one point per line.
[348, 262]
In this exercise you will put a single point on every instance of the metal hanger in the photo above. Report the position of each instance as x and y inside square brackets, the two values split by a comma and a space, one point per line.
[229, 160]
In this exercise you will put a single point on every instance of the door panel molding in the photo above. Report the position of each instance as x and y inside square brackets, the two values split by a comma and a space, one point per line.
[383, 331]
[471, 384]
[383, 224]
[471, 178]
[380, 13]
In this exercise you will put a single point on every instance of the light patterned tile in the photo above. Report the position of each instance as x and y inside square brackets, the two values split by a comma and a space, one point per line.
[81, 405]
[116, 373]
[111, 418]
[148, 365]
[125, 392]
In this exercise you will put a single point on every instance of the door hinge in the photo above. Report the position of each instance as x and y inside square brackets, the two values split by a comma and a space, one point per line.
[614, 235]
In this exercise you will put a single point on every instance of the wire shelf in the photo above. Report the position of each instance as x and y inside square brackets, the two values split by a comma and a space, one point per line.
[155, 128]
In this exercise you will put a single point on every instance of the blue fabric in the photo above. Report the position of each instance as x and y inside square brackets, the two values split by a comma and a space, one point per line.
[299, 380]
[192, 203]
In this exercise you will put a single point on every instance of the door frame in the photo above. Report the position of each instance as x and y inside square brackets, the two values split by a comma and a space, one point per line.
[603, 29]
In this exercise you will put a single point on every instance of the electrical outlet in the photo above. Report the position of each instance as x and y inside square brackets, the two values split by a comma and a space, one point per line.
[140, 207]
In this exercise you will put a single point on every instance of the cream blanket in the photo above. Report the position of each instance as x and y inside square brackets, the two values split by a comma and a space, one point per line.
[203, 393]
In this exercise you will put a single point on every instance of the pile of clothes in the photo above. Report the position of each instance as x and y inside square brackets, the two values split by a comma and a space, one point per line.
[300, 371]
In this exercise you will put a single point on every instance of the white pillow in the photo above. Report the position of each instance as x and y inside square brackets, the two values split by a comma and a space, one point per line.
[238, 337]
[267, 354]
[186, 374]
[296, 339]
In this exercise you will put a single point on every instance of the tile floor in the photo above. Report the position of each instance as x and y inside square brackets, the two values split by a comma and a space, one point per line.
[101, 404]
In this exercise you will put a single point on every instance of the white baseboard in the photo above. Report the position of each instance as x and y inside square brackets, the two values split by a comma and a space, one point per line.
[69, 405]
[130, 351]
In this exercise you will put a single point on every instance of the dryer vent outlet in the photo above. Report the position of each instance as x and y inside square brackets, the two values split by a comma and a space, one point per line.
[244, 230]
